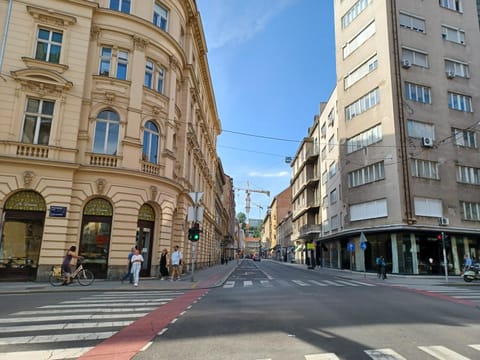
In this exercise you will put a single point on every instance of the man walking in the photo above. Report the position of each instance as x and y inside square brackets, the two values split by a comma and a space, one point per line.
[176, 261]
[129, 273]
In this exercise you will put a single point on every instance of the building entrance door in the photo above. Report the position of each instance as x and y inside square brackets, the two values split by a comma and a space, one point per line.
[144, 240]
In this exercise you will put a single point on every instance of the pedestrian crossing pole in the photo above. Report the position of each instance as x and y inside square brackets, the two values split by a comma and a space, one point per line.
[195, 214]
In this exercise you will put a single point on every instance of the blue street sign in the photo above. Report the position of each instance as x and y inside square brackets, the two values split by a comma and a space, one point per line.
[363, 245]
[351, 247]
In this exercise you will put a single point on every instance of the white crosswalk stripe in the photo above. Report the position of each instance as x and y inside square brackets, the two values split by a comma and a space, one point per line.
[468, 294]
[56, 329]
[436, 352]
[303, 283]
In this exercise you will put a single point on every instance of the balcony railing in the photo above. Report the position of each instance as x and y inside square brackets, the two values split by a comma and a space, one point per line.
[31, 150]
[310, 229]
[150, 168]
[103, 160]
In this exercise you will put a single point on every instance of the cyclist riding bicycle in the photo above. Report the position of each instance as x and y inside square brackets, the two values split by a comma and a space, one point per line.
[66, 266]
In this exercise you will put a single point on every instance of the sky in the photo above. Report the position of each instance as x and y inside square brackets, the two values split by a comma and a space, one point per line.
[271, 62]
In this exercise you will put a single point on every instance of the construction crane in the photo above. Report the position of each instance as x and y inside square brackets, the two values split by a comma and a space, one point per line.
[247, 199]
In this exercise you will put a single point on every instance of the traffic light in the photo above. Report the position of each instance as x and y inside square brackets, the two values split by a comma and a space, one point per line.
[194, 233]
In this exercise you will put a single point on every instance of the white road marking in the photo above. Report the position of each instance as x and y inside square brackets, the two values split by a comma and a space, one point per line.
[317, 283]
[39, 339]
[56, 354]
[349, 283]
[266, 283]
[300, 282]
[361, 283]
[64, 326]
[476, 347]
[69, 317]
[229, 284]
[442, 353]
[117, 304]
[88, 310]
[332, 283]
[326, 356]
[384, 354]
[247, 283]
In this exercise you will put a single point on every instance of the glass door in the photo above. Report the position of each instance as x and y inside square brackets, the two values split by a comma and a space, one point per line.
[144, 242]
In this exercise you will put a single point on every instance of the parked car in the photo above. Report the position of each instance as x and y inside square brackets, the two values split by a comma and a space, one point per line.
[256, 258]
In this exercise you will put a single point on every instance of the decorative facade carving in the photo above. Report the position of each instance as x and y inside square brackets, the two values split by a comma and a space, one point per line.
[153, 192]
[101, 183]
[28, 177]
[51, 17]
[140, 43]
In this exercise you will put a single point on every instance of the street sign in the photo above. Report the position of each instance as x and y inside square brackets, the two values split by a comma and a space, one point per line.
[196, 196]
[351, 247]
[363, 245]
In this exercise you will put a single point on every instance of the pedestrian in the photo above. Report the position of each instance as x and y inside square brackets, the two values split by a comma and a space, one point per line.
[137, 260]
[468, 262]
[129, 274]
[379, 266]
[66, 264]
[163, 264]
[176, 261]
[383, 266]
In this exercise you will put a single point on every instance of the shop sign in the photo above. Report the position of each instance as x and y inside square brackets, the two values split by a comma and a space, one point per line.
[58, 211]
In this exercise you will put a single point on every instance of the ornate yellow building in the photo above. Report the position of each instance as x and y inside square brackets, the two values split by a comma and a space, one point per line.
[108, 121]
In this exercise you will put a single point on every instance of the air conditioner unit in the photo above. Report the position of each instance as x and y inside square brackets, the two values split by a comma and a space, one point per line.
[443, 221]
[427, 142]
[450, 74]
[406, 64]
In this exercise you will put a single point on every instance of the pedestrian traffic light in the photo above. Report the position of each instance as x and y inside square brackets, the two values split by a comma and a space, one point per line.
[194, 233]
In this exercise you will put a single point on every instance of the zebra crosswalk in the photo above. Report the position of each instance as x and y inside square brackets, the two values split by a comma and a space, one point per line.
[299, 283]
[434, 351]
[470, 294]
[71, 328]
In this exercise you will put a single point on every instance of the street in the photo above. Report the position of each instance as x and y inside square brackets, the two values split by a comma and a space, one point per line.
[291, 320]
[263, 310]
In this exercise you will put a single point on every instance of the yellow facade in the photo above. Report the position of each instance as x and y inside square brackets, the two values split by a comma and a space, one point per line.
[107, 122]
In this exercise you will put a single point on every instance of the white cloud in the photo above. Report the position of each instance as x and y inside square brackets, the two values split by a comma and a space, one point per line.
[234, 22]
[279, 174]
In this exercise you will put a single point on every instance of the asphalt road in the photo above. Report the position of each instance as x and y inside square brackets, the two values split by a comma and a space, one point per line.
[269, 311]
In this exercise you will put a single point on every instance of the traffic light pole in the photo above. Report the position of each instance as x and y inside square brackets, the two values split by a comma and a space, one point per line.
[445, 265]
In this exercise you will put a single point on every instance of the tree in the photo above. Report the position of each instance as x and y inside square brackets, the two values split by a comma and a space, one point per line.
[242, 218]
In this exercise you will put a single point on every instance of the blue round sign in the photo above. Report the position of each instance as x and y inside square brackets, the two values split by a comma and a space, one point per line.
[363, 245]
[350, 247]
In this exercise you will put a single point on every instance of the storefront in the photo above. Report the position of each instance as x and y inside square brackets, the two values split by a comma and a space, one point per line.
[21, 232]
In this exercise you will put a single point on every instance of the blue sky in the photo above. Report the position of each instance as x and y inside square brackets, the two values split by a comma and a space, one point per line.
[272, 62]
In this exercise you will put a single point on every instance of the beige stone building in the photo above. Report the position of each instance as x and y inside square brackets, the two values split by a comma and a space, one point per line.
[402, 167]
[108, 121]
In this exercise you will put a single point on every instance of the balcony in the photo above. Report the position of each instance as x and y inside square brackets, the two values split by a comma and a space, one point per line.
[312, 152]
[310, 230]
[31, 150]
[103, 160]
[150, 168]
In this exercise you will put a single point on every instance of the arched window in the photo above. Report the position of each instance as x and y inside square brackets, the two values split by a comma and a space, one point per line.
[106, 133]
[150, 143]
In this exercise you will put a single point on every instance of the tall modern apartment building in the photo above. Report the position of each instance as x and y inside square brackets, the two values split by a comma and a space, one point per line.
[405, 176]
[108, 121]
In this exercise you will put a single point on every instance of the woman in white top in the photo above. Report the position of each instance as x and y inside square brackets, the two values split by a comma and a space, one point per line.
[136, 260]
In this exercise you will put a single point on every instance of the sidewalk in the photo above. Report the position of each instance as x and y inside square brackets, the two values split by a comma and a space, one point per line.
[216, 275]
[202, 278]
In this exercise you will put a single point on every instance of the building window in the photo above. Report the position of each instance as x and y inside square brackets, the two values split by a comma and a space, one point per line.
[366, 175]
[361, 71]
[49, 46]
[324, 153]
[470, 211]
[354, 11]
[456, 68]
[465, 138]
[369, 210]
[455, 5]
[325, 202]
[420, 130]
[150, 143]
[154, 76]
[425, 169]
[122, 65]
[160, 16]
[37, 121]
[418, 93]
[459, 102]
[324, 177]
[415, 57]
[120, 5]
[453, 34]
[333, 197]
[334, 222]
[331, 142]
[106, 133]
[428, 207]
[363, 104]
[332, 169]
[331, 117]
[412, 22]
[468, 175]
[364, 139]
[105, 60]
[323, 131]
[358, 40]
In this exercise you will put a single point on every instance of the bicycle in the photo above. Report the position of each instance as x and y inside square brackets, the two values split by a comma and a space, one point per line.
[84, 276]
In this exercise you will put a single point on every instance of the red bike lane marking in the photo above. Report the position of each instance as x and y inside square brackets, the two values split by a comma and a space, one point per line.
[126, 343]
